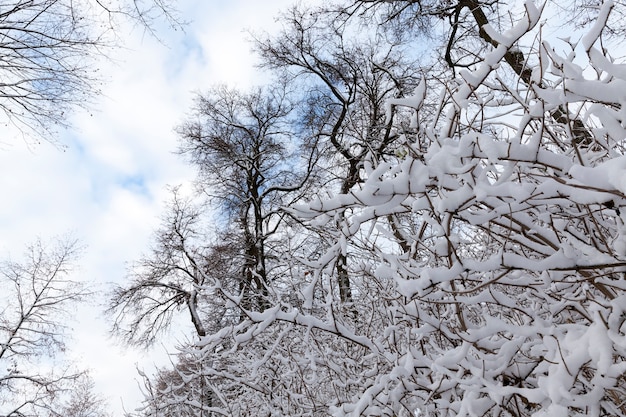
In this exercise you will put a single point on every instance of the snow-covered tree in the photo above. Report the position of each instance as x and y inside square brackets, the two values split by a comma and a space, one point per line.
[483, 236]
[503, 294]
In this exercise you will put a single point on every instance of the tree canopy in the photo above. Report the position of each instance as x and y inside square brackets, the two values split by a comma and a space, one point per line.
[446, 230]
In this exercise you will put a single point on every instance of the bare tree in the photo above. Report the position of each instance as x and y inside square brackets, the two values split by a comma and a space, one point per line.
[175, 275]
[48, 48]
[37, 295]
[249, 165]
[346, 73]
[81, 401]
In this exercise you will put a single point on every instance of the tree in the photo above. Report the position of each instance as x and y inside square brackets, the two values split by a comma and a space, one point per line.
[240, 144]
[179, 391]
[82, 401]
[48, 49]
[512, 282]
[165, 281]
[38, 293]
[249, 164]
[486, 236]
[469, 34]
[341, 119]
[347, 75]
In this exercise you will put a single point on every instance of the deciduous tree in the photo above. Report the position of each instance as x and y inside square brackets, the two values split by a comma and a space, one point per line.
[347, 73]
[38, 293]
[486, 237]
[47, 55]
[80, 400]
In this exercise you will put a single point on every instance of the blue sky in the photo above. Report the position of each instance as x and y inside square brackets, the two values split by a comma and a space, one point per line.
[108, 186]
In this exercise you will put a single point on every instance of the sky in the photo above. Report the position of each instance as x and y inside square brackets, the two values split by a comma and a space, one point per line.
[108, 186]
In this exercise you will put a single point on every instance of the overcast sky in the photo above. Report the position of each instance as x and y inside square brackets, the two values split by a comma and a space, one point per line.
[108, 187]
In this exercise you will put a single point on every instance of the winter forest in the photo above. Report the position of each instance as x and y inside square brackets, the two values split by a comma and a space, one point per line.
[422, 213]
